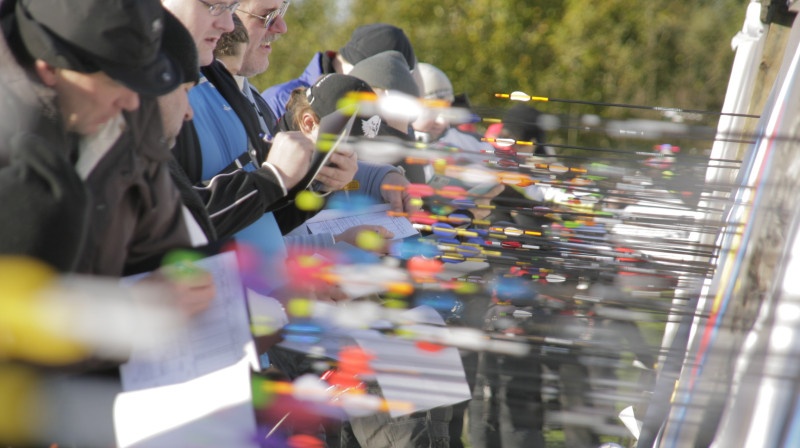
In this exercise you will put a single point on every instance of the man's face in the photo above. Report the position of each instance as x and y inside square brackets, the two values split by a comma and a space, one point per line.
[89, 100]
[204, 28]
[175, 109]
[431, 122]
[256, 57]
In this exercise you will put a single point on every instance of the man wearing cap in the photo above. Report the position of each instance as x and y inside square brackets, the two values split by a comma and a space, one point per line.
[432, 126]
[62, 82]
[304, 112]
[366, 40]
[78, 109]
[137, 213]
[389, 74]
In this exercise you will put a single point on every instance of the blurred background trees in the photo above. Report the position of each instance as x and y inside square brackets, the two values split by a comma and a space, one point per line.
[674, 53]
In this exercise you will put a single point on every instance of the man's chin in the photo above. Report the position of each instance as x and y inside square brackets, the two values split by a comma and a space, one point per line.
[170, 142]
[255, 69]
[206, 57]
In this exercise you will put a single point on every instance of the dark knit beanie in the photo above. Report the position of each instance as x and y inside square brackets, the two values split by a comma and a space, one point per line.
[522, 123]
[369, 40]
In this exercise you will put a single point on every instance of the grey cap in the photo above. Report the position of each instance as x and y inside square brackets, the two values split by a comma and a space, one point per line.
[435, 83]
[388, 70]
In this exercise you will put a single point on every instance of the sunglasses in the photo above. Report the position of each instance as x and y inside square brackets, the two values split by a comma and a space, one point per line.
[273, 15]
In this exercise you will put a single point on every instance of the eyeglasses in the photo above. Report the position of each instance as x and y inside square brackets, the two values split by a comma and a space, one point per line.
[216, 9]
[272, 16]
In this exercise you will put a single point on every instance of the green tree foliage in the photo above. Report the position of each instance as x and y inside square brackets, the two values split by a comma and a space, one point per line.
[654, 53]
[672, 53]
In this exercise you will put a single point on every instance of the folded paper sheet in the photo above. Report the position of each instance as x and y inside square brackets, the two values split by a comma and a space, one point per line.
[194, 390]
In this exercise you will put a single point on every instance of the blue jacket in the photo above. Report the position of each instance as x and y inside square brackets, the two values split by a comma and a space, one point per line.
[222, 138]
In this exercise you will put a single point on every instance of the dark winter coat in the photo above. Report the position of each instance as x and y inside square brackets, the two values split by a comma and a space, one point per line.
[43, 202]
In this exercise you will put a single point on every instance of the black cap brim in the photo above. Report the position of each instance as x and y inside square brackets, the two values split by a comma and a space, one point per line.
[161, 76]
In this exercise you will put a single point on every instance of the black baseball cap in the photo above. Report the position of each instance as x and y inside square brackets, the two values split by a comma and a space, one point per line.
[123, 38]
[369, 40]
[324, 97]
[325, 94]
[180, 48]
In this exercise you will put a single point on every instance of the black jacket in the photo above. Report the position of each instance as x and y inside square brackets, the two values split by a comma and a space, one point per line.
[236, 198]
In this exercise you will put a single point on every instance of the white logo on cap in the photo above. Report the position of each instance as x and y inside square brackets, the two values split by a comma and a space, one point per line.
[370, 127]
[157, 26]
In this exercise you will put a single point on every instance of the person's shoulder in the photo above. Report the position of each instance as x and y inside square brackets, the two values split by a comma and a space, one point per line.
[310, 74]
[464, 140]
[204, 95]
[201, 88]
[283, 88]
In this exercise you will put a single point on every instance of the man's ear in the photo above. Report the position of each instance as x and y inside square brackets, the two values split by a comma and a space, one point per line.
[46, 72]
[307, 122]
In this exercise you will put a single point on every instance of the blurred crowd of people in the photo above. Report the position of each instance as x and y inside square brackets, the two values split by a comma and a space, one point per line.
[136, 134]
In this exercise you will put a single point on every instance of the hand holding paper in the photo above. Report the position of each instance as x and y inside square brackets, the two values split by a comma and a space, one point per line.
[336, 221]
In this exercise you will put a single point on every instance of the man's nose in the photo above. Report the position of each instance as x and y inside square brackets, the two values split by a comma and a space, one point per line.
[279, 26]
[224, 21]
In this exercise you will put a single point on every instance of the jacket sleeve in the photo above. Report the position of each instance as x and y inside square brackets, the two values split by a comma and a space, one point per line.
[191, 199]
[234, 198]
[369, 177]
